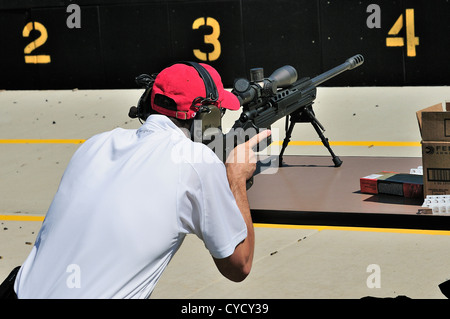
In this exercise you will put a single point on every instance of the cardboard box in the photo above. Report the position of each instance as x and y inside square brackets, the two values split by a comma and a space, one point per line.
[392, 183]
[369, 183]
[406, 185]
[434, 124]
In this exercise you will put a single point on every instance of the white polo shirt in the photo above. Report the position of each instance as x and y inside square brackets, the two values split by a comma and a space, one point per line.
[123, 207]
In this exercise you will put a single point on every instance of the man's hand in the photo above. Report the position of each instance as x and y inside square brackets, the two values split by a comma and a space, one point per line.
[241, 162]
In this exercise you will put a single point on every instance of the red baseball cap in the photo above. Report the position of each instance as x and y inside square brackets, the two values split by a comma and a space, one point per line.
[180, 85]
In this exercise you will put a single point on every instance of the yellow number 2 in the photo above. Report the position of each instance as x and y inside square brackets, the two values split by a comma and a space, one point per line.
[35, 59]
[212, 38]
[411, 40]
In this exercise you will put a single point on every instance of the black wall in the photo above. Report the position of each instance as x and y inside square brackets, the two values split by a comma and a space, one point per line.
[120, 39]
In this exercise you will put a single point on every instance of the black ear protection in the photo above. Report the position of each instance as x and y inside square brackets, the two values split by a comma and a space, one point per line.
[208, 115]
[207, 120]
[143, 109]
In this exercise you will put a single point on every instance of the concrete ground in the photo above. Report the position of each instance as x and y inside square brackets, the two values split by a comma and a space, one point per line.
[40, 130]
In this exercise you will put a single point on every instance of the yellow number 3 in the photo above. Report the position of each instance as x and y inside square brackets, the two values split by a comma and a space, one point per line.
[212, 38]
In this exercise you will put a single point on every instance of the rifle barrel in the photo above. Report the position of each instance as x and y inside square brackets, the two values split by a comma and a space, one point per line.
[349, 64]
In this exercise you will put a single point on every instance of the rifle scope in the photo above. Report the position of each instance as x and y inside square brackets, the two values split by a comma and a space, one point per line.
[246, 91]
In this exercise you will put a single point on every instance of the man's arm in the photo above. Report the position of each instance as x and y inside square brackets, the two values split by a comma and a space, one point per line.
[240, 165]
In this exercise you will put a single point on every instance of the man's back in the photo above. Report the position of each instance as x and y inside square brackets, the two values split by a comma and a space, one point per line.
[125, 202]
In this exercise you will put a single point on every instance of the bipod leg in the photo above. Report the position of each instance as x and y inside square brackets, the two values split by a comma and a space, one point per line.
[336, 160]
[286, 141]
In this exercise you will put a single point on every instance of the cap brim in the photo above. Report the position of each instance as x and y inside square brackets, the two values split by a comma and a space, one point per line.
[230, 101]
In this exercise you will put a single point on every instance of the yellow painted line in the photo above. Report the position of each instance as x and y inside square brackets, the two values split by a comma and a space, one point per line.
[26, 218]
[296, 143]
[355, 143]
[364, 229]
[41, 141]
[283, 226]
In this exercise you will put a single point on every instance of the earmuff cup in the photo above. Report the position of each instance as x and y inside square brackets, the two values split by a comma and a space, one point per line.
[143, 108]
[207, 123]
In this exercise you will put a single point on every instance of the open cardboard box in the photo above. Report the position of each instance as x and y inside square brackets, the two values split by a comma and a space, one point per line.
[434, 124]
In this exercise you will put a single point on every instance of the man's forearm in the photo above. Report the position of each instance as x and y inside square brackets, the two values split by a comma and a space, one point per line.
[240, 166]
[238, 188]
[237, 266]
[246, 248]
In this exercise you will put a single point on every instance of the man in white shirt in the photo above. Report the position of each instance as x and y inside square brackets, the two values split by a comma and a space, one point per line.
[128, 198]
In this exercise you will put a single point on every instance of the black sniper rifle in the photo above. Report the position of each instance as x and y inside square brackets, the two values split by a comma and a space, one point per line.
[264, 104]
[266, 100]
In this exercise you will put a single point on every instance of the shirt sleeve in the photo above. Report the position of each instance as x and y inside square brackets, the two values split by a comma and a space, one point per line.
[208, 207]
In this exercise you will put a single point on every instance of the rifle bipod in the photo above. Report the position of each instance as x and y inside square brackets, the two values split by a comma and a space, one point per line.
[305, 115]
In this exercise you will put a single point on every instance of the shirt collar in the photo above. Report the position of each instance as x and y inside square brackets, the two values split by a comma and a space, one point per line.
[157, 123]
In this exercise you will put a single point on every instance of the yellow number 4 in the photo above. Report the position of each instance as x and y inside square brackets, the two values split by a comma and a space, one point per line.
[411, 40]
[212, 38]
